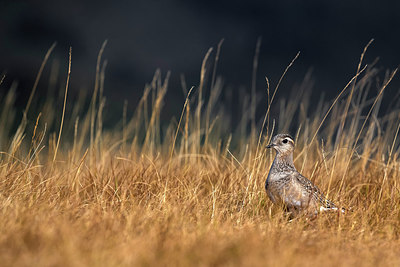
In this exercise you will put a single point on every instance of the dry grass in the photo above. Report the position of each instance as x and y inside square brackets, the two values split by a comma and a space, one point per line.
[193, 193]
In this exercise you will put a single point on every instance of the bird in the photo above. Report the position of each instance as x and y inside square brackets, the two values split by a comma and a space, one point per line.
[286, 186]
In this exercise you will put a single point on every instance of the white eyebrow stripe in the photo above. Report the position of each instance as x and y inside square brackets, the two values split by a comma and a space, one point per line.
[290, 140]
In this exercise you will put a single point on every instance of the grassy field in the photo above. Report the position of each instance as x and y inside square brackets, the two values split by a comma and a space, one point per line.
[192, 192]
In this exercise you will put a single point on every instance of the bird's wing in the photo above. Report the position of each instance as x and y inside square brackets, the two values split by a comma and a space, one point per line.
[293, 193]
[313, 191]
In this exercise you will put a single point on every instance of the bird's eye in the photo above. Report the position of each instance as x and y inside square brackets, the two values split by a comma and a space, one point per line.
[284, 141]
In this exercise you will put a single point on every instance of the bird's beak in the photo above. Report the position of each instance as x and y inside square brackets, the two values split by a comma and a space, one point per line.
[270, 145]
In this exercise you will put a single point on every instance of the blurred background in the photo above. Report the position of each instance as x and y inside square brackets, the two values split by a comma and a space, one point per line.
[175, 35]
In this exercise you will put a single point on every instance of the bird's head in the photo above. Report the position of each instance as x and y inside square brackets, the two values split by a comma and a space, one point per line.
[282, 143]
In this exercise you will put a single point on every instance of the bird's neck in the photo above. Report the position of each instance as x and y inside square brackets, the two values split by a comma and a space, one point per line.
[284, 159]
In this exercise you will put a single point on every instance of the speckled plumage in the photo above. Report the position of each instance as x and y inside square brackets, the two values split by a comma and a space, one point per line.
[286, 186]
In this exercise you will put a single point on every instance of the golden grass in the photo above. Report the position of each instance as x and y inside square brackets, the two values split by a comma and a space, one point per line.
[193, 193]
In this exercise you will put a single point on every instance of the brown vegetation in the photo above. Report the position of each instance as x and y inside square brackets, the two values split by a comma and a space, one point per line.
[193, 193]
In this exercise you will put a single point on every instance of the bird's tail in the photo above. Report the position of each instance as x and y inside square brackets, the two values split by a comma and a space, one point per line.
[341, 210]
[330, 206]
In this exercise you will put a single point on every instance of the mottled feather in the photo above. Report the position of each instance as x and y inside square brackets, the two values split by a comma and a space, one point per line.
[285, 185]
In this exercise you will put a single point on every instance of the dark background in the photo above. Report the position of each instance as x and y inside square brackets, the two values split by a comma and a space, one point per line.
[175, 35]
